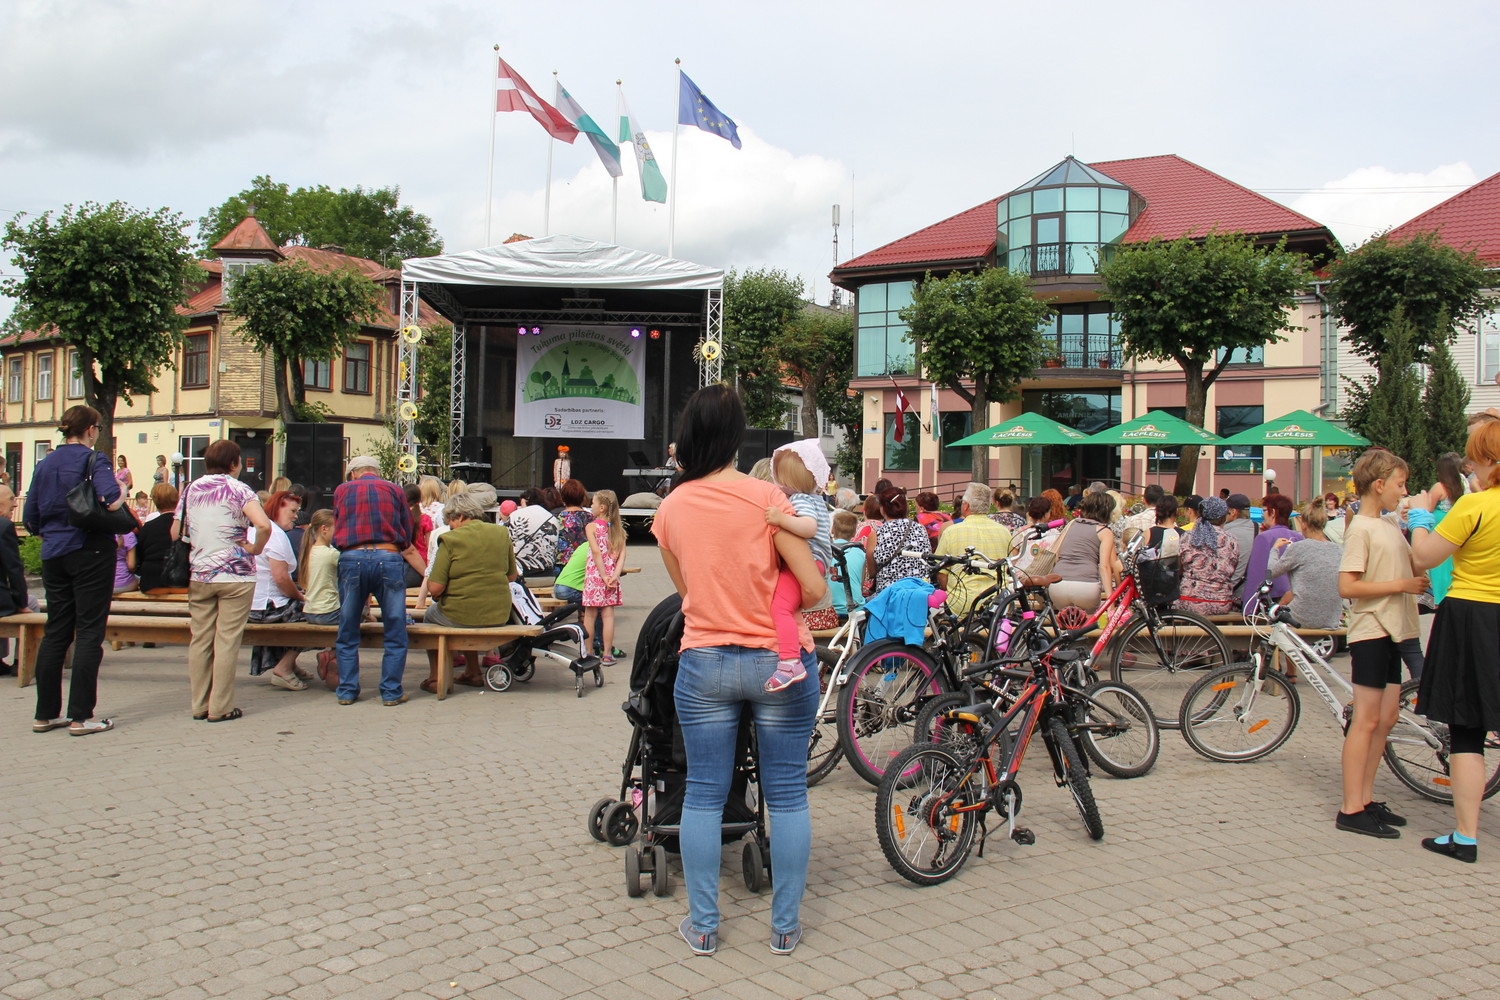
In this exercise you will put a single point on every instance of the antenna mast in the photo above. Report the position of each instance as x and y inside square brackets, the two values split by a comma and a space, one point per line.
[835, 297]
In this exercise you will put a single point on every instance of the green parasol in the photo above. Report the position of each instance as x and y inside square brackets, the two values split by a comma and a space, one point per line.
[1298, 429]
[1155, 429]
[1027, 429]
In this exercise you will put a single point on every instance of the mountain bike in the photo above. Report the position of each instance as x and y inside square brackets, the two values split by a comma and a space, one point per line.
[1247, 710]
[933, 798]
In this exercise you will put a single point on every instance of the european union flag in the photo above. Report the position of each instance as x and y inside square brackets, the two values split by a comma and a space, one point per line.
[695, 109]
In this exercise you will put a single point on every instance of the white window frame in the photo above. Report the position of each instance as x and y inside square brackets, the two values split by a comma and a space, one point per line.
[15, 379]
[75, 376]
[1487, 347]
[44, 375]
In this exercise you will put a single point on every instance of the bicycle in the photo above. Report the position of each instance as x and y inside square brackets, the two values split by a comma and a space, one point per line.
[824, 751]
[933, 799]
[1247, 710]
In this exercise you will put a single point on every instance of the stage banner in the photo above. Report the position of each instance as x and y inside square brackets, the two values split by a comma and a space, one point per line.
[580, 382]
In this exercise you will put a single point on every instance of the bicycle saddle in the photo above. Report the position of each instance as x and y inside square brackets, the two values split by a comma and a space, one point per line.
[1039, 581]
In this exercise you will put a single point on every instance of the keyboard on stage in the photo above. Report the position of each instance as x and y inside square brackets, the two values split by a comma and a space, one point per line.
[662, 473]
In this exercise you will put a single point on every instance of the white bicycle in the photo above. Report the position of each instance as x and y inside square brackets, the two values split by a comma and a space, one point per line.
[834, 659]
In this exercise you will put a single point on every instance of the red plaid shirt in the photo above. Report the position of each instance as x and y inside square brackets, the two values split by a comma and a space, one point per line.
[369, 510]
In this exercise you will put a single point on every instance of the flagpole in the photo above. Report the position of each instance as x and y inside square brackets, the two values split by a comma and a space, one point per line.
[489, 190]
[547, 198]
[614, 208]
[672, 187]
[614, 211]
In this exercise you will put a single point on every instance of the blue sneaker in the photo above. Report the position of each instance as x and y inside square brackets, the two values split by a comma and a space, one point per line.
[785, 944]
[701, 944]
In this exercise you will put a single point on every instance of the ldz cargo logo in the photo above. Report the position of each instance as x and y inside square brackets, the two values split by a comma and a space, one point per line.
[552, 421]
[1293, 431]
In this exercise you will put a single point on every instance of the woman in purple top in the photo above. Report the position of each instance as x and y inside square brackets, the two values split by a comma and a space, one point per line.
[1277, 525]
[78, 570]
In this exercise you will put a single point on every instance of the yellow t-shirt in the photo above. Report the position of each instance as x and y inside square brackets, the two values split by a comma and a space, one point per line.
[988, 538]
[1474, 525]
[1376, 549]
[718, 533]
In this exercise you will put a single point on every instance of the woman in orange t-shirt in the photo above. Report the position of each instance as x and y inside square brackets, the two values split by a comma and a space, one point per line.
[724, 559]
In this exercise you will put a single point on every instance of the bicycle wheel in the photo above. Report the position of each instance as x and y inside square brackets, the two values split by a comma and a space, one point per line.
[1163, 663]
[1116, 729]
[1420, 759]
[1225, 717]
[959, 737]
[923, 837]
[888, 684]
[1075, 777]
[823, 751]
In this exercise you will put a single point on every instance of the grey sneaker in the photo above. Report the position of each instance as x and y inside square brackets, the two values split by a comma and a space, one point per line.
[785, 944]
[701, 944]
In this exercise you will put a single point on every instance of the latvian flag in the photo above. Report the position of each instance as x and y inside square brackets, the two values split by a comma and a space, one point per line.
[513, 94]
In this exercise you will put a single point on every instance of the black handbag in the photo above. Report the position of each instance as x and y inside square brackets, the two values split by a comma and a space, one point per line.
[176, 562]
[86, 512]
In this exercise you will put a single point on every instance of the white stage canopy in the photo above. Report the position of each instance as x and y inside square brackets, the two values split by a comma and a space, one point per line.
[563, 261]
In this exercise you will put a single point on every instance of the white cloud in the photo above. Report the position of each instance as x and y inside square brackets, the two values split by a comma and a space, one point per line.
[1369, 200]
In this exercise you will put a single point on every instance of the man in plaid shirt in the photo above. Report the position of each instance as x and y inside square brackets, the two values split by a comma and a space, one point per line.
[373, 533]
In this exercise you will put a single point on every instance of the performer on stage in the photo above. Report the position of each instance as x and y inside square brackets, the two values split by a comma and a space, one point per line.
[562, 467]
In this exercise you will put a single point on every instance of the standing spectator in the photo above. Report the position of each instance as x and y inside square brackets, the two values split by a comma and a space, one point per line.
[931, 516]
[1209, 555]
[219, 512]
[159, 476]
[77, 572]
[562, 466]
[373, 533]
[277, 596]
[155, 541]
[573, 522]
[13, 596]
[1461, 686]
[897, 533]
[975, 530]
[1005, 513]
[533, 535]
[714, 518]
[601, 586]
[1278, 510]
[1239, 527]
[123, 476]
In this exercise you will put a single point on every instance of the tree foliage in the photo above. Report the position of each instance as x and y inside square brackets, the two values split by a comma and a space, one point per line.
[1445, 402]
[759, 306]
[108, 279]
[365, 223]
[977, 332]
[434, 423]
[1391, 415]
[1193, 302]
[1433, 285]
[300, 314]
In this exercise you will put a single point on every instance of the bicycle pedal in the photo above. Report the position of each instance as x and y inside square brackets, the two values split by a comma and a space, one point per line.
[1023, 836]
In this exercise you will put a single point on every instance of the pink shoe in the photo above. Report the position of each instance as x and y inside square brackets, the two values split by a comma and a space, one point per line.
[490, 660]
[328, 669]
[788, 672]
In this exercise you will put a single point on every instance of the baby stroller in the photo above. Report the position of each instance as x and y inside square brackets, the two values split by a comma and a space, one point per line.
[518, 662]
[646, 818]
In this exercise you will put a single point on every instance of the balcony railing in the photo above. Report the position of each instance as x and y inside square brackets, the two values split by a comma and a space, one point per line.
[1050, 260]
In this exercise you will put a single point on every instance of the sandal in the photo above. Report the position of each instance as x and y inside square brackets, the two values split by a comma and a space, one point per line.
[430, 686]
[302, 675]
[234, 713]
[607, 661]
[473, 682]
[292, 683]
[91, 726]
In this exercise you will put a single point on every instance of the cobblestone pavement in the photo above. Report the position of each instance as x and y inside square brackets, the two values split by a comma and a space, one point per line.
[439, 850]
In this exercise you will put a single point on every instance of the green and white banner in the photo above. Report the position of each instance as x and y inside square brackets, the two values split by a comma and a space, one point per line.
[581, 382]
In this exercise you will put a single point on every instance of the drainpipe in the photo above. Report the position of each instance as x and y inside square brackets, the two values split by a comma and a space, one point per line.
[1328, 375]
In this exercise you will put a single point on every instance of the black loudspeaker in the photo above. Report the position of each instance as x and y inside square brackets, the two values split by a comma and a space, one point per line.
[474, 449]
[759, 443]
[315, 459]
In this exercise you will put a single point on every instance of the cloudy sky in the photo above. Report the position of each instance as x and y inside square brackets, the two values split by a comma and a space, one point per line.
[1358, 114]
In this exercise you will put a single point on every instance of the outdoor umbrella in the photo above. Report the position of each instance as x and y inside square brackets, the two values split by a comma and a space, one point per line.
[1155, 430]
[1298, 429]
[1027, 429]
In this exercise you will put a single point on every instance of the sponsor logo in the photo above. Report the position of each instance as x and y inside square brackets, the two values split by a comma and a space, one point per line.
[1017, 432]
[1146, 431]
[552, 421]
[1291, 431]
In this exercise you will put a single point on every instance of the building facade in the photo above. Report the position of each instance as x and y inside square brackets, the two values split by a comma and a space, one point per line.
[219, 386]
[1056, 229]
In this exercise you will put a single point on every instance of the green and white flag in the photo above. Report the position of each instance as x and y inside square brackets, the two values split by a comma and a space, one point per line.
[609, 153]
[653, 184]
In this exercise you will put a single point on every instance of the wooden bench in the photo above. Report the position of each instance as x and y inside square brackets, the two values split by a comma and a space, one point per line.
[27, 629]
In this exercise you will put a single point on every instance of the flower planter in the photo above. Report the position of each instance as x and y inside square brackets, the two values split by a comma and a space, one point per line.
[1052, 363]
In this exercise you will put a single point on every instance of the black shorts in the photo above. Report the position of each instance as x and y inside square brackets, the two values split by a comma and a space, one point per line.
[1375, 662]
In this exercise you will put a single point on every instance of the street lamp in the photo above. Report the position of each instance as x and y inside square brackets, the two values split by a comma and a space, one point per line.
[177, 469]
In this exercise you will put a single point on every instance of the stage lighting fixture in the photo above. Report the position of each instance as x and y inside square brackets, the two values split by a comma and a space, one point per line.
[655, 334]
[520, 331]
[635, 332]
[536, 331]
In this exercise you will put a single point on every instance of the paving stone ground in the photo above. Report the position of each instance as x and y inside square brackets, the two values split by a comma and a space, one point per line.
[438, 850]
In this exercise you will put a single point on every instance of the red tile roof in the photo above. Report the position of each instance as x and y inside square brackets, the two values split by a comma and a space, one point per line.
[1182, 198]
[968, 235]
[248, 235]
[1470, 220]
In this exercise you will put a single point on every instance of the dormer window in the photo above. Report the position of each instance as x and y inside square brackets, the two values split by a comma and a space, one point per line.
[232, 270]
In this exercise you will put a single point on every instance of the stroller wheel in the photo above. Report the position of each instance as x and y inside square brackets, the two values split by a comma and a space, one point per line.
[620, 824]
[596, 819]
[661, 876]
[522, 668]
[633, 887]
[598, 678]
[498, 677]
[753, 865]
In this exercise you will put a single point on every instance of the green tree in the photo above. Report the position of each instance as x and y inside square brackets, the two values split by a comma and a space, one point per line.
[976, 332]
[300, 314]
[434, 409]
[759, 306]
[1392, 416]
[108, 279]
[1433, 285]
[817, 353]
[366, 223]
[1445, 401]
[1194, 302]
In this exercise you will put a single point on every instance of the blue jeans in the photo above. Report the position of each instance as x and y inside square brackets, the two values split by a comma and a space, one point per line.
[363, 572]
[713, 685]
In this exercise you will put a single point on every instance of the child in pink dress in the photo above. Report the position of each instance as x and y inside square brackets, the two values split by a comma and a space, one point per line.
[799, 469]
[601, 574]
